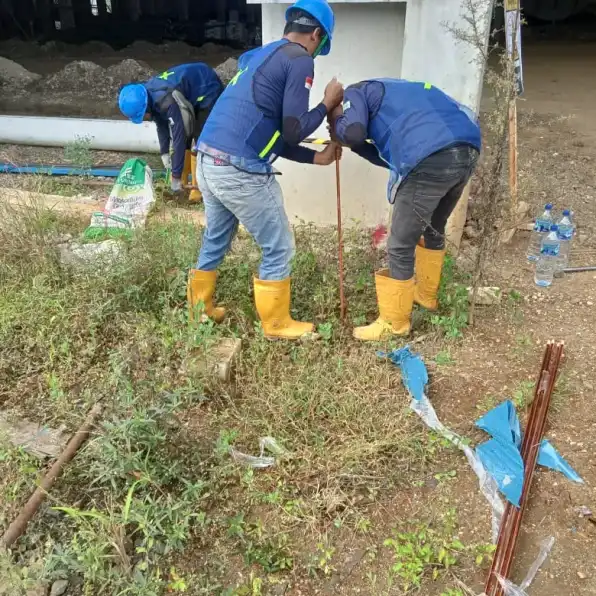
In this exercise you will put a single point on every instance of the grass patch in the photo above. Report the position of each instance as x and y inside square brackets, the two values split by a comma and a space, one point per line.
[154, 502]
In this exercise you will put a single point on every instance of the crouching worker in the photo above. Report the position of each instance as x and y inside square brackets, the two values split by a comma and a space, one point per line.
[262, 114]
[179, 101]
[430, 144]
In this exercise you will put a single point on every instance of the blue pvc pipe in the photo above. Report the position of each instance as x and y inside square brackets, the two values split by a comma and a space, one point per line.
[106, 172]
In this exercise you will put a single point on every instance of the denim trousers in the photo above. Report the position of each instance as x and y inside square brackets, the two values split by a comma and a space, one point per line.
[232, 196]
[423, 203]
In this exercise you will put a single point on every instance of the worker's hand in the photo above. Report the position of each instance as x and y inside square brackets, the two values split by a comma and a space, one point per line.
[176, 184]
[328, 155]
[166, 160]
[334, 94]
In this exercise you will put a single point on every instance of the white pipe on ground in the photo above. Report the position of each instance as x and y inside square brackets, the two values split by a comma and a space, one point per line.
[106, 135]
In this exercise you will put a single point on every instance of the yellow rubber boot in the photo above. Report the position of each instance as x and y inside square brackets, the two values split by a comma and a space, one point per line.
[395, 298]
[186, 169]
[429, 264]
[200, 290]
[272, 299]
[195, 193]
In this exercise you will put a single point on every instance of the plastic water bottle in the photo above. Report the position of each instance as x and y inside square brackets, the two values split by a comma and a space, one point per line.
[548, 259]
[566, 231]
[541, 229]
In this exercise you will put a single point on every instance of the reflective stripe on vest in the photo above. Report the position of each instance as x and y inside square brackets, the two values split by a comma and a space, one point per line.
[270, 144]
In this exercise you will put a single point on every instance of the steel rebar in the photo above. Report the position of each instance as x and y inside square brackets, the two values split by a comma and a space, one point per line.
[535, 427]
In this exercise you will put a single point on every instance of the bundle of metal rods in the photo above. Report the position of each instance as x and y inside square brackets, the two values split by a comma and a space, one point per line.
[535, 427]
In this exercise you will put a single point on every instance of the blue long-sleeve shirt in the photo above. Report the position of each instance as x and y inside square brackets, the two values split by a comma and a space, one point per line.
[406, 121]
[200, 86]
[264, 111]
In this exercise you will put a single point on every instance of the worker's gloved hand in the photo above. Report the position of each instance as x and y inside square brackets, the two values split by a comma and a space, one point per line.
[176, 184]
[326, 157]
[334, 94]
[167, 161]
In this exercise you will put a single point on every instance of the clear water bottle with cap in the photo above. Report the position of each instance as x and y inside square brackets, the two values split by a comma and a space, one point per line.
[541, 229]
[566, 231]
[548, 259]
[542, 226]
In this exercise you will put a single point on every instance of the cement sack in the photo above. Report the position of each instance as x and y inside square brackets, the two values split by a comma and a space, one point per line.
[129, 204]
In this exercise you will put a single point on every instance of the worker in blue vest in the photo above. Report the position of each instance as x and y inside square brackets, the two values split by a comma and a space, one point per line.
[262, 114]
[179, 101]
[430, 145]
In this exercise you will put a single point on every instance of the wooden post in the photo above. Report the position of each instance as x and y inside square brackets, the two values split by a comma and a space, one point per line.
[513, 43]
[513, 154]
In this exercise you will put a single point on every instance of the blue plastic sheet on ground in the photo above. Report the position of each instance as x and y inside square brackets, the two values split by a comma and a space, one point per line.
[415, 377]
[413, 370]
[497, 455]
[504, 463]
[549, 457]
[502, 423]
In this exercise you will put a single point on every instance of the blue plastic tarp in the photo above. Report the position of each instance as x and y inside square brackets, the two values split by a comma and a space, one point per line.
[549, 457]
[501, 454]
[502, 423]
[413, 370]
[504, 463]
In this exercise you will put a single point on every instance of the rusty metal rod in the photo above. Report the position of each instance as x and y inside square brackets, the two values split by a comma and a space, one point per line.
[532, 445]
[19, 525]
[340, 240]
[513, 514]
[506, 522]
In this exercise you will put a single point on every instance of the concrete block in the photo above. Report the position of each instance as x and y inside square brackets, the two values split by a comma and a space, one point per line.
[217, 362]
[487, 296]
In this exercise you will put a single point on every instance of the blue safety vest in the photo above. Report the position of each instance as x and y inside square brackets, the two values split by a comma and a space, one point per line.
[197, 82]
[237, 129]
[414, 121]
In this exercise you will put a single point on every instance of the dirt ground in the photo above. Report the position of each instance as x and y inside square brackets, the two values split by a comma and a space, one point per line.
[500, 357]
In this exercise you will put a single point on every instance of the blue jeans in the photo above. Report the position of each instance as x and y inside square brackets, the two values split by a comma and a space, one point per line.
[256, 201]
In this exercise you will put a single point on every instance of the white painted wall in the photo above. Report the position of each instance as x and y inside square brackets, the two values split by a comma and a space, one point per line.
[377, 38]
[432, 53]
[368, 42]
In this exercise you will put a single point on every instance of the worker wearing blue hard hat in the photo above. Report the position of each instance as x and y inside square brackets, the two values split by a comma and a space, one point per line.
[430, 144]
[178, 101]
[263, 114]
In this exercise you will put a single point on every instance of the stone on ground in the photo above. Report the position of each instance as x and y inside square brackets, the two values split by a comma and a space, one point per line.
[37, 440]
[217, 361]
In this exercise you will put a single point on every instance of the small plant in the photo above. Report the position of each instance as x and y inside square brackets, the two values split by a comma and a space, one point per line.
[444, 358]
[420, 552]
[452, 592]
[321, 561]
[79, 153]
[453, 303]
[522, 394]
[325, 330]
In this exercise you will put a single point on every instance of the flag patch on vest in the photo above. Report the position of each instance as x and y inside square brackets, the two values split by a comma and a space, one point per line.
[308, 83]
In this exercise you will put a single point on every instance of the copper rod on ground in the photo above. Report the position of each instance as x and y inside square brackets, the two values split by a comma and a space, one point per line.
[18, 526]
[532, 449]
[340, 240]
[491, 582]
[513, 519]
[535, 427]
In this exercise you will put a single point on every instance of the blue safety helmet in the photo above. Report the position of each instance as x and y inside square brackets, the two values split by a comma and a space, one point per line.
[133, 102]
[323, 13]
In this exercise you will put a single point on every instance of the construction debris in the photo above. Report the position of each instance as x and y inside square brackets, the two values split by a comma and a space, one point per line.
[40, 441]
[261, 461]
[217, 361]
[19, 525]
[511, 522]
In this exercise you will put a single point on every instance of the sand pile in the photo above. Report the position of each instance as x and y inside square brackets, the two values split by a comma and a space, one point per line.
[226, 70]
[129, 71]
[14, 75]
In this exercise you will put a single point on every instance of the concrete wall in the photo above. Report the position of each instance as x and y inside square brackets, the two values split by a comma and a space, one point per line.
[377, 38]
[360, 30]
